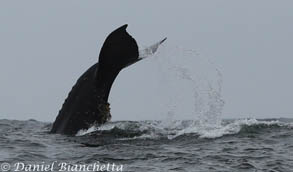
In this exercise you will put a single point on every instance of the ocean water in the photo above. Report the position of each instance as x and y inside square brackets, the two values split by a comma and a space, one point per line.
[138, 146]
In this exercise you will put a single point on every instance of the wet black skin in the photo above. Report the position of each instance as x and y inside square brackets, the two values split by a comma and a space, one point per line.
[87, 102]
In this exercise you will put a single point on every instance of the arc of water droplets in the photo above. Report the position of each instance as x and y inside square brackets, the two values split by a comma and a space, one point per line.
[188, 66]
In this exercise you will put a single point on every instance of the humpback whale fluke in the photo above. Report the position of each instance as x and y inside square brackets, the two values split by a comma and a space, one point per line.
[87, 102]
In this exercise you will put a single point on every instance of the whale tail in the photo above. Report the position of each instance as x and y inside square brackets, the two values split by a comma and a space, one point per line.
[118, 50]
[87, 102]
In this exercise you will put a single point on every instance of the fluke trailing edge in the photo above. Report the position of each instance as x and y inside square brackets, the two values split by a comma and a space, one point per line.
[87, 103]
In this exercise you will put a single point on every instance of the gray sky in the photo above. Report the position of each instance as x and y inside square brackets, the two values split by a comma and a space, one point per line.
[47, 45]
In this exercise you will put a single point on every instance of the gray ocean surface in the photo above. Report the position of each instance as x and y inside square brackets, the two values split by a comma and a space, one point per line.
[233, 145]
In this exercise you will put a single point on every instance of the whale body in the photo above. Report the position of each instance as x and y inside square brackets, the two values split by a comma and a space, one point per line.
[87, 103]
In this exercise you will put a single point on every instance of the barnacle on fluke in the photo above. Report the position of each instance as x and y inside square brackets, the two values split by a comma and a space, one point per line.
[104, 110]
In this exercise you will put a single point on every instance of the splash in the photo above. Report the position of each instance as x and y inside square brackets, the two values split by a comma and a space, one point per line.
[191, 85]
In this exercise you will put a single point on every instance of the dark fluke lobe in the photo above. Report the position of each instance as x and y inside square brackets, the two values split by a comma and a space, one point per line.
[87, 102]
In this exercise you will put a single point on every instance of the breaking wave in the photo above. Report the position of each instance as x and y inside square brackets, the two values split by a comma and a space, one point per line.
[176, 128]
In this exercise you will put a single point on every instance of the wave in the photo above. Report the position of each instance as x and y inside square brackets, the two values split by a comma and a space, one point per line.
[176, 128]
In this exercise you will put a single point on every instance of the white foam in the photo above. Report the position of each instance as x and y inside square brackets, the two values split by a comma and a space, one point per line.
[209, 131]
[84, 132]
[174, 128]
